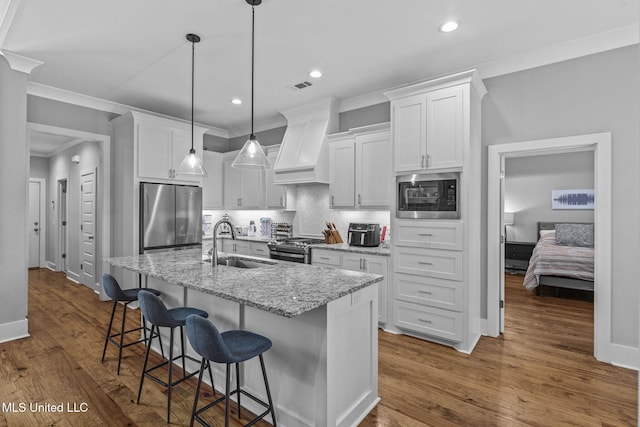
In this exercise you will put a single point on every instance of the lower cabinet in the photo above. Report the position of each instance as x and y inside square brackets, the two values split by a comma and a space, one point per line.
[428, 320]
[373, 264]
[240, 247]
[259, 249]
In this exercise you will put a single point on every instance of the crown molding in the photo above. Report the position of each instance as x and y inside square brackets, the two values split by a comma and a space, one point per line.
[20, 63]
[74, 98]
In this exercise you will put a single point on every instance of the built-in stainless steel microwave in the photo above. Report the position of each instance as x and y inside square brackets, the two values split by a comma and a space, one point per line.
[435, 195]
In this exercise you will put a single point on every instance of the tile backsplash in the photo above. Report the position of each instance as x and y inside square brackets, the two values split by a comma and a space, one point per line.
[312, 210]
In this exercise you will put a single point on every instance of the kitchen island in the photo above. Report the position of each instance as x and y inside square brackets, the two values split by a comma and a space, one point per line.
[323, 366]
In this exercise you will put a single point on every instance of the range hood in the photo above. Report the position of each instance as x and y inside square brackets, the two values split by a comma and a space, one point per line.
[304, 153]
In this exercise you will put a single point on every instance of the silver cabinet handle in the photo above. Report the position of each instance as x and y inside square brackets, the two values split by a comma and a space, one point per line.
[364, 264]
[425, 263]
[425, 292]
[422, 161]
[281, 201]
[428, 160]
[324, 257]
[425, 234]
[425, 320]
[239, 201]
[359, 200]
[332, 200]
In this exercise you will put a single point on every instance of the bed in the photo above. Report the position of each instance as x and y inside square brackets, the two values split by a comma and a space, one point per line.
[563, 257]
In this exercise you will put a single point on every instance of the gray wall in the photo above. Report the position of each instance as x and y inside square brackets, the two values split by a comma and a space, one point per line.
[373, 114]
[215, 143]
[38, 167]
[267, 137]
[596, 93]
[528, 185]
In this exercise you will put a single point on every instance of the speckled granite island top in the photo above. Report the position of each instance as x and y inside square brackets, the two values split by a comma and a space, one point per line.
[283, 288]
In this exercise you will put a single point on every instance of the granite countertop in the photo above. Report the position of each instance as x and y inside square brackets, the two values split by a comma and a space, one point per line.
[284, 288]
[344, 247]
[265, 239]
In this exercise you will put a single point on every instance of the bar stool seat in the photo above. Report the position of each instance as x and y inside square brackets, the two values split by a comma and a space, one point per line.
[126, 296]
[230, 347]
[158, 315]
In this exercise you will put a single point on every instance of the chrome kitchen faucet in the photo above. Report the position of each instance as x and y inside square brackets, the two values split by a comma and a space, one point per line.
[214, 250]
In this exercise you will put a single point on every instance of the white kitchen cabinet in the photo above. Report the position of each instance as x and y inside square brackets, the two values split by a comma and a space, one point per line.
[161, 148]
[437, 264]
[276, 195]
[240, 247]
[428, 129]
[374, 264]
[342, 172]
[242, 188]
[360, 168]
[212, 185]
[259, 249]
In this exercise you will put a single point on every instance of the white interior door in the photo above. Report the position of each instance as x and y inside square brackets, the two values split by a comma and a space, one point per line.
[35, 224]
[88, 227]
[62, 225]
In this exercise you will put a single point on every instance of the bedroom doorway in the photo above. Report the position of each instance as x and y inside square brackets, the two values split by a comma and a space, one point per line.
[600, 145]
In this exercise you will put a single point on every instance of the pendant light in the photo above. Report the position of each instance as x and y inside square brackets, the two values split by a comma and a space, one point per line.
[192, 164]
[252, 155]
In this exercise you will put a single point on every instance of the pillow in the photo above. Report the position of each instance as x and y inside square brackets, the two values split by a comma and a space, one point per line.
[546, 232]
[574, 235]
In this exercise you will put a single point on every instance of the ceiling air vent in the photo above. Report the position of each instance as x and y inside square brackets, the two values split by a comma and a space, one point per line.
[301, 85]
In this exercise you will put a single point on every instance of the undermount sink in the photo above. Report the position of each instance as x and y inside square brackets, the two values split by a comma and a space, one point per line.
[241, 262]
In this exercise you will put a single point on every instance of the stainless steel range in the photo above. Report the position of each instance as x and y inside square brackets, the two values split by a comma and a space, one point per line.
[294, 249]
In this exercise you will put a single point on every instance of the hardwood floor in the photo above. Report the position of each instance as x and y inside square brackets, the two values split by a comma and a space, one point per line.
[540, 372]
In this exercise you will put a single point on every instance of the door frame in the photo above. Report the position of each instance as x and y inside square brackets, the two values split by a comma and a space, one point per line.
[42, 215]
[600, 145]
[61, 231]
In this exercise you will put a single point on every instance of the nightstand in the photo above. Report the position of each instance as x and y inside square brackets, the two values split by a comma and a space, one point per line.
[517, 255]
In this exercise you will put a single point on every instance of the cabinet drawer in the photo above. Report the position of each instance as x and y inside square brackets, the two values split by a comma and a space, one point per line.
[429, 320]
[429, 291]
[328, 258]
[518, 251]
[259, 249]
[434, 235]
[429, 262]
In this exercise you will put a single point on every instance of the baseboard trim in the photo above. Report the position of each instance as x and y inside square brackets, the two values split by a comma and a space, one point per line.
[73, 276]
[51, 266]
[625, 356]
[14, 330]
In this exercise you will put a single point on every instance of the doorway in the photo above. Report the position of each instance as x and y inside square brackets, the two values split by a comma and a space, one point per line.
[600, 145]
[37, 222]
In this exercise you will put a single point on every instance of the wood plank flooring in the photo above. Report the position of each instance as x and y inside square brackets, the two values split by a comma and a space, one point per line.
[541, 372]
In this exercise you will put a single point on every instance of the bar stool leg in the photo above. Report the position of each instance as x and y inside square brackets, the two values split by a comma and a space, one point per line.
[170, 382]
[146, 359]
[238, 388]
[266, 385]
[106, 340]
[124, 318]
[184, 369]
[227, 406]
[195, 401]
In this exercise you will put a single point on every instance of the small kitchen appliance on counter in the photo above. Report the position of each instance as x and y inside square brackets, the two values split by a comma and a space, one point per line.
[364, 235]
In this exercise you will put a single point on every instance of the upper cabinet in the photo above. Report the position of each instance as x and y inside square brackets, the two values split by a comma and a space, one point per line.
[360, 168]
[160, 145]
[212, 185]
[242, 188]
[276, 195]
[428, 127]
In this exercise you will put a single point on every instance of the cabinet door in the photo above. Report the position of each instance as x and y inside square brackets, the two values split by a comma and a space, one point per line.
[352, 262]
[276, 194]
[378, 265]
[324, 258]
[342, 174]
[259, 249]
[445, 128]
[373, 170]
[409, 133]
[154, 151]
[232, 185]
[212, 185]
[250, 189]
[241, 247]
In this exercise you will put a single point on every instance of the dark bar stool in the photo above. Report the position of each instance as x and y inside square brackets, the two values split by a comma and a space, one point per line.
[228, 347]
[113, 290]
[159, 316]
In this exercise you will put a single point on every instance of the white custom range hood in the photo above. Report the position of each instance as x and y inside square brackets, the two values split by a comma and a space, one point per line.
[304, 154]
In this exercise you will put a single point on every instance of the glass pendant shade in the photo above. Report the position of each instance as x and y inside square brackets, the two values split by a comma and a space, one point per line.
[251, 156]
[192, 165]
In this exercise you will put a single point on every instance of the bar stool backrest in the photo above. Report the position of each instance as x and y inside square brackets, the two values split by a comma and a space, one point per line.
[207, 341]
[112, 288]
[154, 310]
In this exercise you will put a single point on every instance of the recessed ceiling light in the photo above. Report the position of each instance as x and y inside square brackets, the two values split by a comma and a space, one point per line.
[448, 27]
[316, 74]
[236, 101]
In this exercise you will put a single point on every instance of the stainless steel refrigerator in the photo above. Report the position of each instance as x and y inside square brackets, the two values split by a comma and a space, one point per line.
[170, 216]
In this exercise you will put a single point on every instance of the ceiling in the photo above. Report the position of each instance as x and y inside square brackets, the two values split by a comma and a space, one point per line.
[135, 52]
